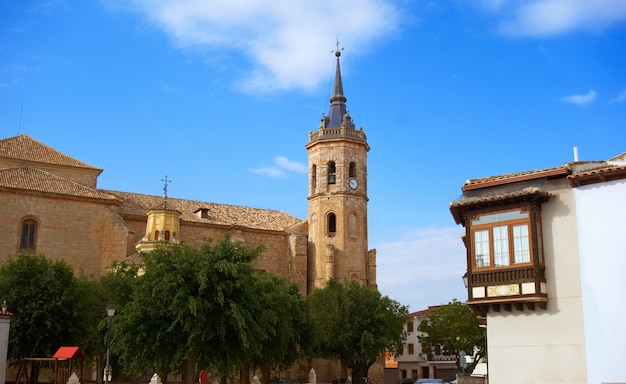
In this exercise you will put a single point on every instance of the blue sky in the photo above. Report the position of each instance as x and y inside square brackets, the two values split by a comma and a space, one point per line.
[221, 96]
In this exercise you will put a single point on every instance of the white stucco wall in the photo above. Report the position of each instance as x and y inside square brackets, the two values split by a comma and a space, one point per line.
[602, 244]
[545, 346]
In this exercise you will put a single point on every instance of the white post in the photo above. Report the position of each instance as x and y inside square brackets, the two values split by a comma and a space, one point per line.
[73, 379]
[5, 322]
[156, 379]
[312, 376]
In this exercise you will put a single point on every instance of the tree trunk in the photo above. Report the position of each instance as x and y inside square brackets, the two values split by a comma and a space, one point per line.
[358, 373]
[189, 375]
[265, 374]
[245, 374]
[34, 372]
[99, 369]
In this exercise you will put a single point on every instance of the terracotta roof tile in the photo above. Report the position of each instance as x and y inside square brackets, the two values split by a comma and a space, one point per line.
[529, 191]
[33, 179]
[598, 175]
[139, 204]
[24, 147]
[488, 181]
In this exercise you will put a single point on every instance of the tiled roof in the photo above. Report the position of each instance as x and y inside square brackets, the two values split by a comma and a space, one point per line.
[424, 312]
[24, 147]
[457, 207]
[33, 179]
[489, 181]
[598, 175]
[531, 191]
[265, 219]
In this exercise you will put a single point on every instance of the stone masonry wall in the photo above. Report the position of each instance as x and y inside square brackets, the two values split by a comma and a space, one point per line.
[85, 233]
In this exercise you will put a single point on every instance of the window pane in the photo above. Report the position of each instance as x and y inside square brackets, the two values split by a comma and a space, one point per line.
[502, 216]
[521, 247]
[500, 246]
[481, 248]
[28, 235]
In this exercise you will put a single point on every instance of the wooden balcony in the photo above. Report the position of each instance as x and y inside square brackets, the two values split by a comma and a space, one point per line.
[506, 288]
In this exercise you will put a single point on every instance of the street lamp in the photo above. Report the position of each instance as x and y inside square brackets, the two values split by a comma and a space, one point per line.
[107, 368]
[466, 280]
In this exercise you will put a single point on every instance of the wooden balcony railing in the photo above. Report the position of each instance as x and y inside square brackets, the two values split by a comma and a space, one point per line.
[507, 275]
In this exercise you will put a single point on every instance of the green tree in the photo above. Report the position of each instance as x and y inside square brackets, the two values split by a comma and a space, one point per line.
[287, 319]
[51, 307]
[455, 328]
[116, 287]
[355, 324]
[206, 308]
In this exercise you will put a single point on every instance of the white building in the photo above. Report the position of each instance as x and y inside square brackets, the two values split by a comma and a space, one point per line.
[545, 260]
[415, 362]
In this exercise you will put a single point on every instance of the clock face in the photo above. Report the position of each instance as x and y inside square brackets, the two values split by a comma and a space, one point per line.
[353, 183]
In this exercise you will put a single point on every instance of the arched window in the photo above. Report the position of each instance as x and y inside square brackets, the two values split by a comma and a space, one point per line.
[332, 224]
[331, 172]
[352, 172]
[313, 178]
[156, 235]
[167, 235]
[29, 232]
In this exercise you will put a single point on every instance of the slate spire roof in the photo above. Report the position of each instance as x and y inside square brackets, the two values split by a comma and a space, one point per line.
[337, 100]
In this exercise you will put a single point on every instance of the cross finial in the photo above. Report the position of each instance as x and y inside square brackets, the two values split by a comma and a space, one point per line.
[165, 181]
[338, 50]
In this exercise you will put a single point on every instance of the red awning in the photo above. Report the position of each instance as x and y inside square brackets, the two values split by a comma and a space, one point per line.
[69, 353]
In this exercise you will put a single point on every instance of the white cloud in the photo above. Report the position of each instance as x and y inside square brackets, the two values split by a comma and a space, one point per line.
[281, 169]
[580, 99]
[288, 43]
[285, 163]
[424, 268]
[619, 98]
[553, 17]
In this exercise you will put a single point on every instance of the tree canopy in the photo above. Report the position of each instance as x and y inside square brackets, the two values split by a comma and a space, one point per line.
[208, 306]
[51, 307]
[355, 324]
[455, 328]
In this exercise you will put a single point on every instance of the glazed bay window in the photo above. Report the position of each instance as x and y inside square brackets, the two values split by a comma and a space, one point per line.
[501, 239]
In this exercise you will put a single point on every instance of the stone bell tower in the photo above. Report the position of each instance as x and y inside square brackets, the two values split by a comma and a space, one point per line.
[337, 198]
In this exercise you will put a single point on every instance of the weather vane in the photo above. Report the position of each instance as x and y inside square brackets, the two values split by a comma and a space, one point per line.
[338, 50]
[165, 181]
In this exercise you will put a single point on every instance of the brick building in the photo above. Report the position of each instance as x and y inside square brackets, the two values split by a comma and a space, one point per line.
[50, 203]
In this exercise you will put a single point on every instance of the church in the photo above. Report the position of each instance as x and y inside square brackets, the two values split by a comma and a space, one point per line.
[50, 204]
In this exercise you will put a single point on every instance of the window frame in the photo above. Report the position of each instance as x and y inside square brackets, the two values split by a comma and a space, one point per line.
[507, 242]
[28, 236]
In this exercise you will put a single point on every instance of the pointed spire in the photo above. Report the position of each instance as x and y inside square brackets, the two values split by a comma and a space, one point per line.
[338, 89]
[338, 100]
